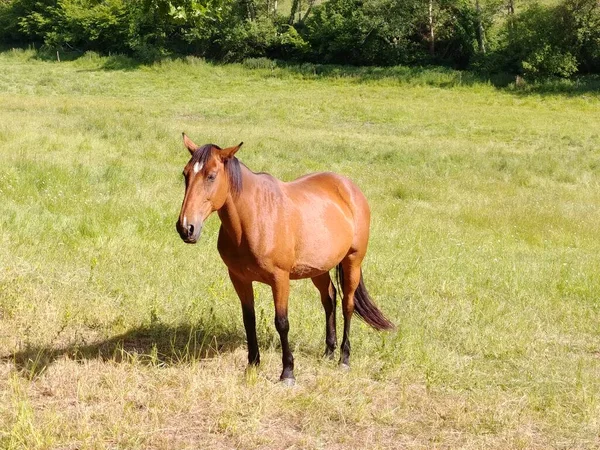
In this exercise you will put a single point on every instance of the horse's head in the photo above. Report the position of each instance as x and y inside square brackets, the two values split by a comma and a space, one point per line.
[208, 180]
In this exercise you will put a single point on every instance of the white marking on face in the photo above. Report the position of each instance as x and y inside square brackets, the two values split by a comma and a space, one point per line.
[197, 167]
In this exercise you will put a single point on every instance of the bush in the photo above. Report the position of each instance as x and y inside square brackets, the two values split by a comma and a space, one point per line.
[99, 27]
[27, 20]
[554, 41]
[581, 21]
[248, 39]
[291, 44]
[535, 44]
[456, 40]
[390, 32]
[356, 32]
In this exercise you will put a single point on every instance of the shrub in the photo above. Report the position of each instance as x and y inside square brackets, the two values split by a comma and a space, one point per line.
[554, 41]
[248, 39]
[352, 32]
[100, 27]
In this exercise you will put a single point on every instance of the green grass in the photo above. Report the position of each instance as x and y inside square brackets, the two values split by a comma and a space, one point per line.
[484, 251]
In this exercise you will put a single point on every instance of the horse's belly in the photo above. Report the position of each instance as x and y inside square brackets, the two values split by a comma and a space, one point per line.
[317, 261]
[322, 242]
[303, 271]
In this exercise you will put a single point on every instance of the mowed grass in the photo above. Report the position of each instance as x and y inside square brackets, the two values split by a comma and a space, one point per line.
[484, 251]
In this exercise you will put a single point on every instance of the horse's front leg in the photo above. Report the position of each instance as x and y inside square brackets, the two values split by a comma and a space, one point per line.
[246, 294]
[281, 292]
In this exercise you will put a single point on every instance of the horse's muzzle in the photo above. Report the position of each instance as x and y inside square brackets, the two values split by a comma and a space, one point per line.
[190, 233]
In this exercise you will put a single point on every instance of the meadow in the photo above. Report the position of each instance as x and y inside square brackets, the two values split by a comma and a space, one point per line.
[484, 251]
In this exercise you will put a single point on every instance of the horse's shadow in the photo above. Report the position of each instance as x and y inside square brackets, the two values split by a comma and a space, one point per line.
[156, 344]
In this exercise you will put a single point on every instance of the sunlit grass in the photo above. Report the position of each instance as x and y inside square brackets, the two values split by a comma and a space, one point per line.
[484, 251]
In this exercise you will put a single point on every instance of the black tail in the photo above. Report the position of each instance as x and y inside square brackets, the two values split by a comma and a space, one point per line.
[363, 303]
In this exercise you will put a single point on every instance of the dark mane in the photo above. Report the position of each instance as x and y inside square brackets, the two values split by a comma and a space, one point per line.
[232, 166]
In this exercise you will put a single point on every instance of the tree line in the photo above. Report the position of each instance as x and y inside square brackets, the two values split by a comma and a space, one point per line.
[523, 37]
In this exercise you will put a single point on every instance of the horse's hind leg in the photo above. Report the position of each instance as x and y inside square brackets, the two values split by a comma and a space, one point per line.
[350, 279]
[328, 294]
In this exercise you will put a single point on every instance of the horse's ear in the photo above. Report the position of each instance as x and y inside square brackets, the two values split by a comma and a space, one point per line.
[189, 144]
[227, 153]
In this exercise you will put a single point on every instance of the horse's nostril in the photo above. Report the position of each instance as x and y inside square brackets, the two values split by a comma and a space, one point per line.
[190, 230]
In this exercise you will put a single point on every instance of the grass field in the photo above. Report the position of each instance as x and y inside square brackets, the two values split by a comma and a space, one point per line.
[485, 252]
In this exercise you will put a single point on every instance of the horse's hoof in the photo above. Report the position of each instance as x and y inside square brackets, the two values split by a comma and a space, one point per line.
[345, 367]
[288, 382]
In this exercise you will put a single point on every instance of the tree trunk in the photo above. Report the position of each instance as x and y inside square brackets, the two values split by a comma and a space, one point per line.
[480, 33]
[431, 31]
[311, 3]
[293, 11]
[251, 9]
[510, 8]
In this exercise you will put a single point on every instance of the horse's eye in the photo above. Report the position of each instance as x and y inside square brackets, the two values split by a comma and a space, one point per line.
[211, 176]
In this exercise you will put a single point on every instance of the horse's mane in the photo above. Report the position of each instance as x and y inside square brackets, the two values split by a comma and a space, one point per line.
[232, 166]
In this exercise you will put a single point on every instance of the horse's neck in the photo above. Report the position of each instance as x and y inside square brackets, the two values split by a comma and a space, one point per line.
[231, 214]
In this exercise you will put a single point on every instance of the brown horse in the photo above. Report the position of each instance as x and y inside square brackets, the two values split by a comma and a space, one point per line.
[274, 232]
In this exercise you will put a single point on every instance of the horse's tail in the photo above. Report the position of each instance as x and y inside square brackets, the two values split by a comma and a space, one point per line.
[363, 303]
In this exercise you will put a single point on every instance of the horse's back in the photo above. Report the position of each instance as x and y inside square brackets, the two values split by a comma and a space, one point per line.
[331, 218]
[330, 186]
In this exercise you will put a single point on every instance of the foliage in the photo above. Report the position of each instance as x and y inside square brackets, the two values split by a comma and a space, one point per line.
[581, 21]
[535, 43]
[540, 41]
[385, 32]
[455, 29]
[26, 20]
[247, 39]
[556, 40]
[98, 26]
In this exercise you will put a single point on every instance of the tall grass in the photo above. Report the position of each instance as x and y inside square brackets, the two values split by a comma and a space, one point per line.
[484, 251]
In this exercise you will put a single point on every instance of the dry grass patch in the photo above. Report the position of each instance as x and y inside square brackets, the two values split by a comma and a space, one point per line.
[212, 404]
